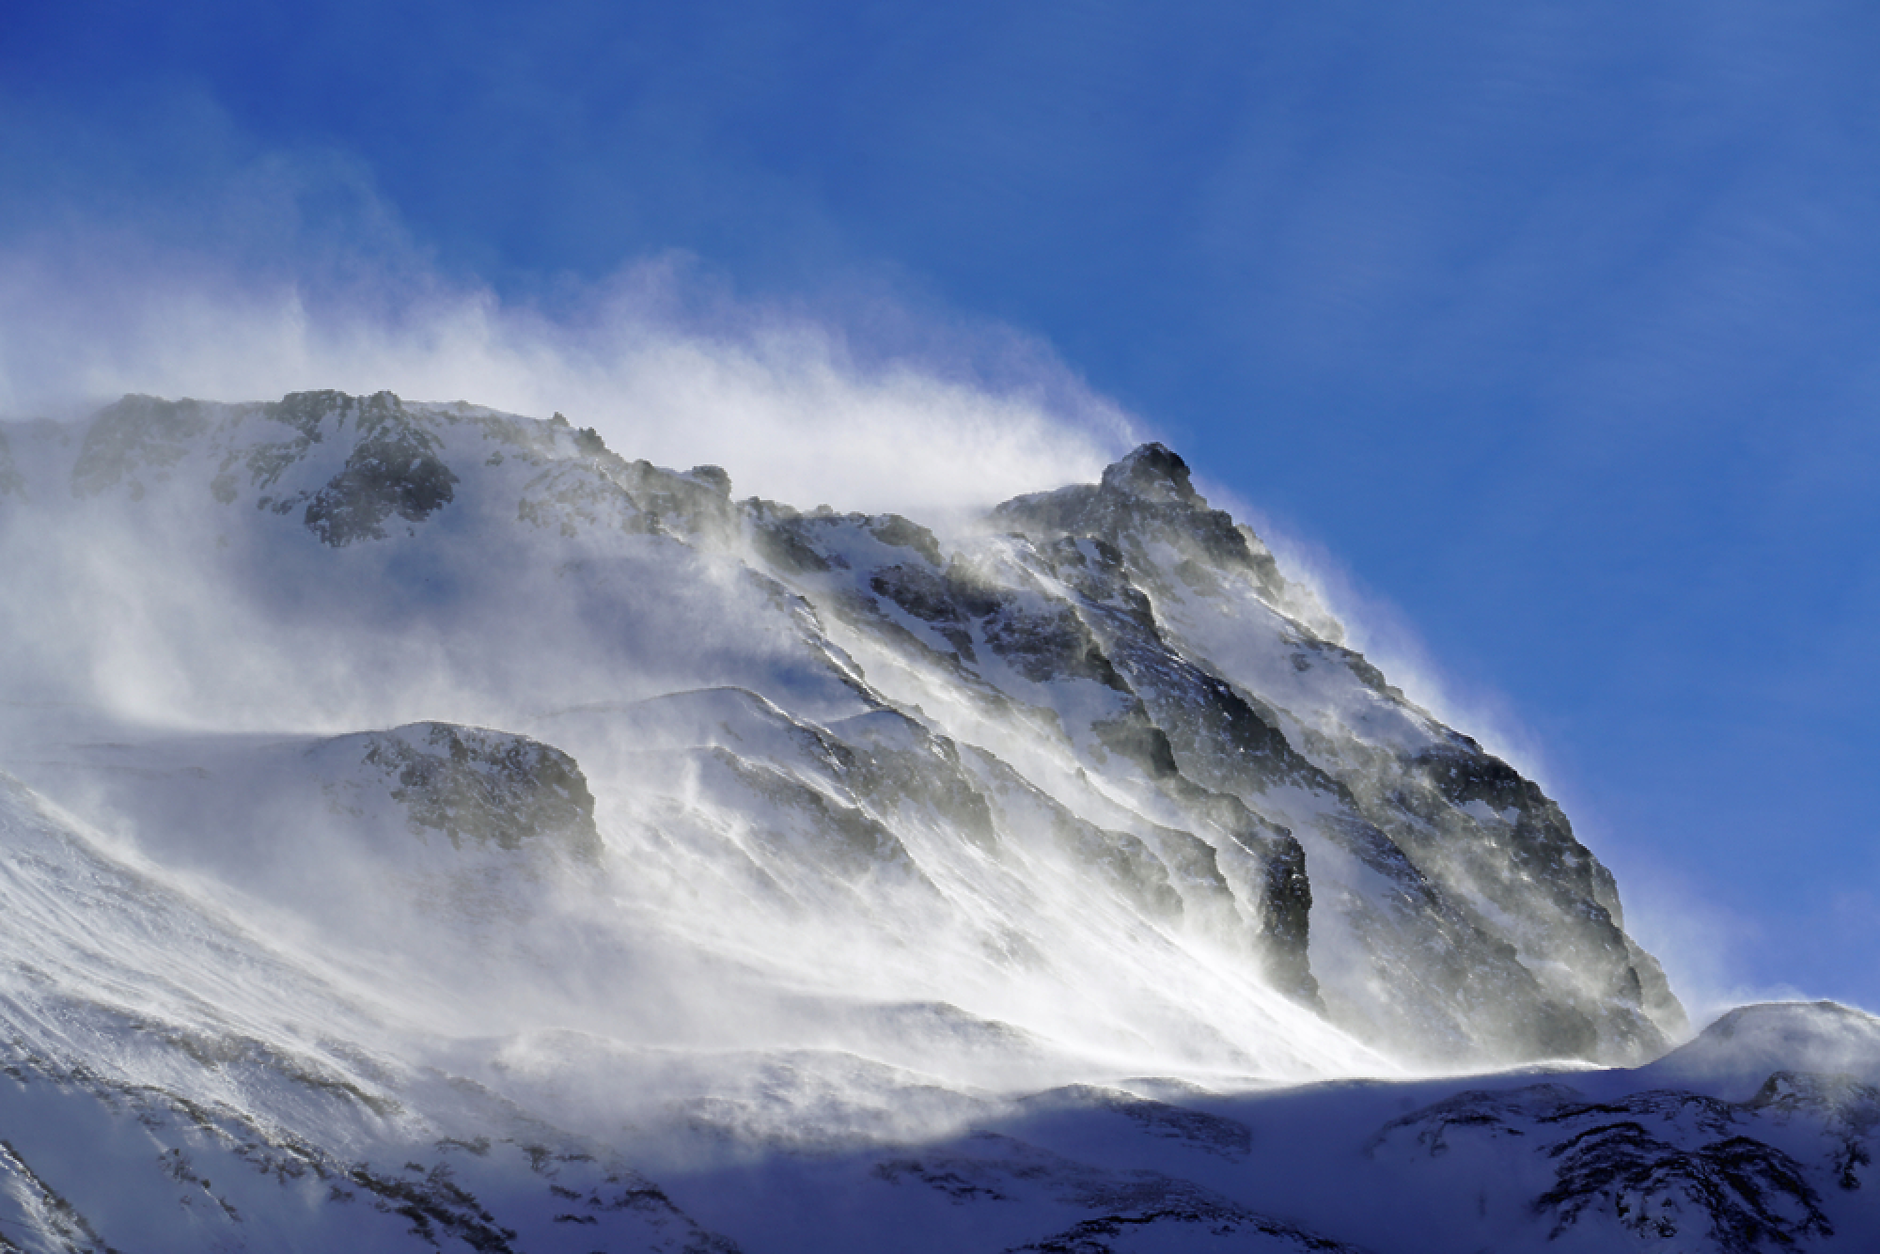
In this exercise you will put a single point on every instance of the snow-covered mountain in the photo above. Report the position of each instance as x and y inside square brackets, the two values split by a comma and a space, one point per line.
[426, 828]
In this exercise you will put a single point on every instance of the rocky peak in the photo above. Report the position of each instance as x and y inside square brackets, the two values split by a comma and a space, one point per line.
[1146, 501]
[1146, 494]
[1152, 472]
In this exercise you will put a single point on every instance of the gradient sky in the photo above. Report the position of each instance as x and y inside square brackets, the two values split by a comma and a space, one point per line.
[1551, 327]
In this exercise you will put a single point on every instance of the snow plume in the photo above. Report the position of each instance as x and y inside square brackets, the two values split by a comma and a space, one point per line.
[138, 602]
[798, 405]
[1368, 621]
[258, 287]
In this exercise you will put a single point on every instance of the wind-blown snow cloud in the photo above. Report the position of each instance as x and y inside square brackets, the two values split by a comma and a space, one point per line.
[288, 272]
[798, 407]
[1376, 627]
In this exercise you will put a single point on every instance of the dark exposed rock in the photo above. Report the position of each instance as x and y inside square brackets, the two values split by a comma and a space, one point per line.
[1220, 736]
[393, 468]
[1706, 1115]
[1847, 1109]
[1047, 644]
[1285, 913]
[1147, 497]
[1312, 652]
[1152, 473]
[1740, 1193]
[698, 501]
[783, 538]
[894, 530]
[1133, 736]
[922, 592]
[480, 786]
[1664, 1164]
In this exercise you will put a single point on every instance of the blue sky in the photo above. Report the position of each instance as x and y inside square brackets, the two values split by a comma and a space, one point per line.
[1553, 324]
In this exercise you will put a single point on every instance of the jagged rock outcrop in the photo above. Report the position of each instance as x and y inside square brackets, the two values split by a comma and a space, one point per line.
[393, 468]
[474, 785]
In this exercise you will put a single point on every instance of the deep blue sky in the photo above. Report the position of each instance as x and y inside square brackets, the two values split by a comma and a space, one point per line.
[1555, 324]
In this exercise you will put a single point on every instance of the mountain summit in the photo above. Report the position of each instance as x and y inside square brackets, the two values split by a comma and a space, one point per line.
[1112, 690]
[390, 778]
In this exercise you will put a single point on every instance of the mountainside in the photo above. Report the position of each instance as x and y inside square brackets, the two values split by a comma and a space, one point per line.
[426, 828]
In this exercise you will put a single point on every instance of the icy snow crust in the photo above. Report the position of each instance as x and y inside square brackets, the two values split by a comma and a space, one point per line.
[425, 828]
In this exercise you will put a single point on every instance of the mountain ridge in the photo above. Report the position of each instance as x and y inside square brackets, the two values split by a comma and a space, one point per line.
[1077, 613]
[647, 817]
